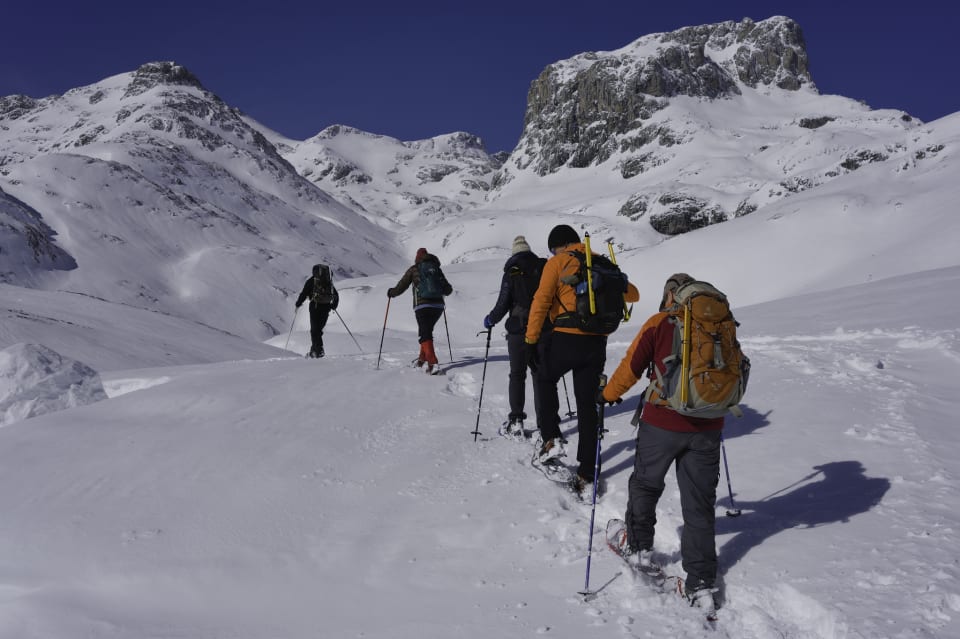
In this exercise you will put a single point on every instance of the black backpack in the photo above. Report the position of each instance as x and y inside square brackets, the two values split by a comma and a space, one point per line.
[524, 281]
[609, 287]
[430, 280]
[323, 291]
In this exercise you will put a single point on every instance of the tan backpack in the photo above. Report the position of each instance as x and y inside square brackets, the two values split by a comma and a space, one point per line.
[706, 374]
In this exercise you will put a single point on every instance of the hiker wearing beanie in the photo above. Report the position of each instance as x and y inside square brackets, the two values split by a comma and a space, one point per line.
[667, 438]
[521, 276]
[430, 286]
[553, 353]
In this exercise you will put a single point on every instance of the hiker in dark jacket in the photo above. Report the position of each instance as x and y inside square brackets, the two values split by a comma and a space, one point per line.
[428, 308]
[667, 438]
[521, 276]
[323, 296]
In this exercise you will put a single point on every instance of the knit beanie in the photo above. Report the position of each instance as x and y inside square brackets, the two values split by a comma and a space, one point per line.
[421, 253]
[520, 244]
[561, 235]
[674, 282]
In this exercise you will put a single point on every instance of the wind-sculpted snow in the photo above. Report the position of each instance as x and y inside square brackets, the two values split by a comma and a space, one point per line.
[35, 380]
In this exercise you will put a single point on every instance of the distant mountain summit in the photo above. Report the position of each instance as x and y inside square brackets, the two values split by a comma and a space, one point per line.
[164, 197]
[692, 127]
[392, 181]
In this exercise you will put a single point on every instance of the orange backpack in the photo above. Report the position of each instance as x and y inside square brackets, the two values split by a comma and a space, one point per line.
[706, 374]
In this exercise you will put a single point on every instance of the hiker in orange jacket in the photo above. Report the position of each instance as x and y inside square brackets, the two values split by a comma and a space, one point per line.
[566, 348]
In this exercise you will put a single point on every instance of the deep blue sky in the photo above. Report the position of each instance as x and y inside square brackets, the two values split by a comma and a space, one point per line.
[429, 69]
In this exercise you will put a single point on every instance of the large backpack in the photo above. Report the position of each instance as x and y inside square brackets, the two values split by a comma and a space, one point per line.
[609, 287]
[524, 281]
[430, 280]
[706, 373]
[323, 291]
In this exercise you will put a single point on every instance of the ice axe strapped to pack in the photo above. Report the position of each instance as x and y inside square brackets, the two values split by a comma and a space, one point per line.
[600, 288]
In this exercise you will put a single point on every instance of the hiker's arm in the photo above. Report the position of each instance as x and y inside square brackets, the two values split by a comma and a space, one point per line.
[403, 284]
[503, 301]
[640, 352]
[542, 300]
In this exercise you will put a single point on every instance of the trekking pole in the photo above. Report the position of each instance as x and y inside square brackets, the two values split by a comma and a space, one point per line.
[447, 326]
[570, 412]
[483, 379]
[587, 593]
[291, 327]
[348, 329]
[735, 512]
[383, 333]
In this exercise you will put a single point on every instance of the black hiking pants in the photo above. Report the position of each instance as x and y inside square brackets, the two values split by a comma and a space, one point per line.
[585, 355]
[517, 388]
[697, 460]
[427, 318]
[319, 313]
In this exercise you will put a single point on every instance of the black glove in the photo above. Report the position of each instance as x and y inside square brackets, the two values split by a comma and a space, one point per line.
[532, 353]
[297, 306]
[390, 293]
[609, 402]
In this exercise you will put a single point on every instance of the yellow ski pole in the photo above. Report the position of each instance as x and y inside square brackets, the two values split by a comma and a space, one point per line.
[626, 309]
[593, 301]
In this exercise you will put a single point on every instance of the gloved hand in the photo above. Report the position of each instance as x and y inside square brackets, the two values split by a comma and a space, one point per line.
[297, 306]
[487, 324]
[532, 354]
[600, 399]
[390, 293]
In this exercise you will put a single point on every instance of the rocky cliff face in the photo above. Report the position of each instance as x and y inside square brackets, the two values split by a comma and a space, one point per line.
[581, 111]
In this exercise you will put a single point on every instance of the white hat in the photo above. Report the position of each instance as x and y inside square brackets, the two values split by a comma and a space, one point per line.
[520, 244]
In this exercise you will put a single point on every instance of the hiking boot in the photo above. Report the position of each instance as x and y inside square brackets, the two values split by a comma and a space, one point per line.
[418, 362]
[581, 485]
[513, 427]
[551, 449]
[320, 352]
[701, 594]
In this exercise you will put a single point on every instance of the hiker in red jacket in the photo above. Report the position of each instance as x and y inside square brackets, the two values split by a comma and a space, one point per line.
[666, 438]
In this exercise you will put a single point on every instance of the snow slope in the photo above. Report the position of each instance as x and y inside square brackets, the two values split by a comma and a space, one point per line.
[286, 497]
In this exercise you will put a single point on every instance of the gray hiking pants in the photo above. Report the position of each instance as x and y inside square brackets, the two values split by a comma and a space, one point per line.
[697, 460]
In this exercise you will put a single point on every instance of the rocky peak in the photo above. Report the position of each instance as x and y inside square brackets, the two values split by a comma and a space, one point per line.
[153, 74]
[583, 110]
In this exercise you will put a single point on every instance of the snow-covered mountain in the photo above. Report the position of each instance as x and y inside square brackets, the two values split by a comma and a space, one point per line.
[694, 127]
[668, 134]
[394, 183]
[148, 168]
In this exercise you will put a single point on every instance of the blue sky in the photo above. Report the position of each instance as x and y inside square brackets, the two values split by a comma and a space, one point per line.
[428, 69]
